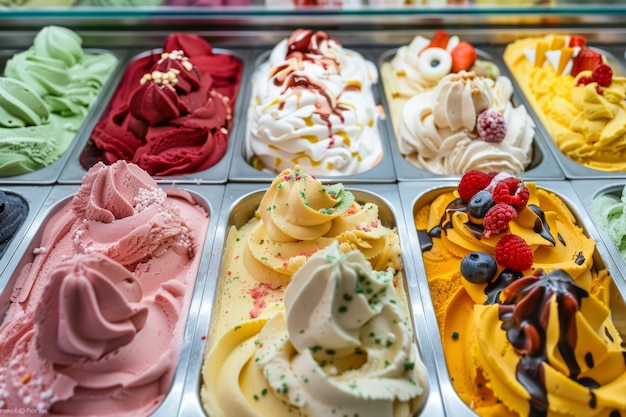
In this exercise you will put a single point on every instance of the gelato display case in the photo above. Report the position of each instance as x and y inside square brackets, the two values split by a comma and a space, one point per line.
[309, 161]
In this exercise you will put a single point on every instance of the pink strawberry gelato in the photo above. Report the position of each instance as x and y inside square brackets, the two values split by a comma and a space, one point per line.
[96, 319]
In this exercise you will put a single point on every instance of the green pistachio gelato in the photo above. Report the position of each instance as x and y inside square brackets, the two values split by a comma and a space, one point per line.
[609, 212]
[46, 92]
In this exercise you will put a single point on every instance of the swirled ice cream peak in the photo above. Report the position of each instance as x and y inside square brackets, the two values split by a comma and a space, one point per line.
[354, 351]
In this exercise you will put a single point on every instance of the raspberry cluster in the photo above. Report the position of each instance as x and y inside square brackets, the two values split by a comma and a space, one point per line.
[509, 195]
[490, 126]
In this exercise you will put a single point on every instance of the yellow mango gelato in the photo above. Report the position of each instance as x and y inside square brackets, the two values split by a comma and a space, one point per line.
[472, 269]
[581, 106]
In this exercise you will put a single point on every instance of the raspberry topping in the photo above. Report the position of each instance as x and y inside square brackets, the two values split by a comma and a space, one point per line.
[472, 182]
[497, 219]
[513, 252]
[490, 126]
[511, 191]
[603, 74]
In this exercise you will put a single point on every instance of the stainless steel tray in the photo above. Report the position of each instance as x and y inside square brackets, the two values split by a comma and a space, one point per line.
[242, 171]
[34, 196]
[217, 174]
[50, 174]
[208, 196]
[588, 190]
[418, 194]
[542, 166]
[239, 205]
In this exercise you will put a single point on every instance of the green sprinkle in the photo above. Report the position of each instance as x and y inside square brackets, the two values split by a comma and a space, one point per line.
[409, 366]
[343, 309]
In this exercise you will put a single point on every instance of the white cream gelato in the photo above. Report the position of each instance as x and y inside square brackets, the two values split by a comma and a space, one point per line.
[312, 104]
[437, 131]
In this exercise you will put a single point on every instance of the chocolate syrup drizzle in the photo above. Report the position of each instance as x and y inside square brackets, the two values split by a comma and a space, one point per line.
[524, 309]
[304, 45]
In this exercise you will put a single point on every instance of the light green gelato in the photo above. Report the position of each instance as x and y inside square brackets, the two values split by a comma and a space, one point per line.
[609, 212]
[54, 73]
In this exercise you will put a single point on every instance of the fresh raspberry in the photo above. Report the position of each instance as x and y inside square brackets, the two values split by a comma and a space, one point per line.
[491, 126]
[472, 182]
[513, 252]
[497, 219]
[602, 74]
[511, 191]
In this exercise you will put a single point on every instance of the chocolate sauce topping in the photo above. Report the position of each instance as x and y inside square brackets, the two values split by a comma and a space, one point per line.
[524, 311]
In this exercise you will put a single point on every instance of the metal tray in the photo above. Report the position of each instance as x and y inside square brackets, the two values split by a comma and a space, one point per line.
[51, 173]
[217, 174]
[239, 205]
[416, 195]
[242, 171]
[588, 190]
[208, 196]
[571, 169]
[542, 165]
[34, 196]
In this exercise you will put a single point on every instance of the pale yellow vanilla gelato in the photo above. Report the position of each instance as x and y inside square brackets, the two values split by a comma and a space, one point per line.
[438, 128]
[342, 344]
[586, 120]
[297, 217]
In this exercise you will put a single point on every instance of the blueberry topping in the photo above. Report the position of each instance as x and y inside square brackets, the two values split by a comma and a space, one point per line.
[479, 204]
[478, 267]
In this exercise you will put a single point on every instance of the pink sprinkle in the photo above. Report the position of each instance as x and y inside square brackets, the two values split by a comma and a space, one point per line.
[287, 177]
[203, 337]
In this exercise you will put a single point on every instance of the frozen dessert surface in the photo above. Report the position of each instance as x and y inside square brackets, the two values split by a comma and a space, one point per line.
[479, 242]
[172, 113]
[609, 212]
[312, 104]
[297, 216]
[465, 123]
[562, 356]
[452, 112]
[420, 65]
[341, 344]
[96, 319]
[577, 94]
[48, 90]
[13, 212]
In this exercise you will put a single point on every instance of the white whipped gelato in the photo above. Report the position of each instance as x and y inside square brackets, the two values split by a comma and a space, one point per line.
[437, 132]
[314, 108]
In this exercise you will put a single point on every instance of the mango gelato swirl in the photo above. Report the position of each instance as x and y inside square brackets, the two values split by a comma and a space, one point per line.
[485, 366]
[343, 344]
[550, 349]
[586, 120]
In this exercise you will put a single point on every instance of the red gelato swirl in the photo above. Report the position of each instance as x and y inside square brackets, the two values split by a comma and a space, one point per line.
[172, 113]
